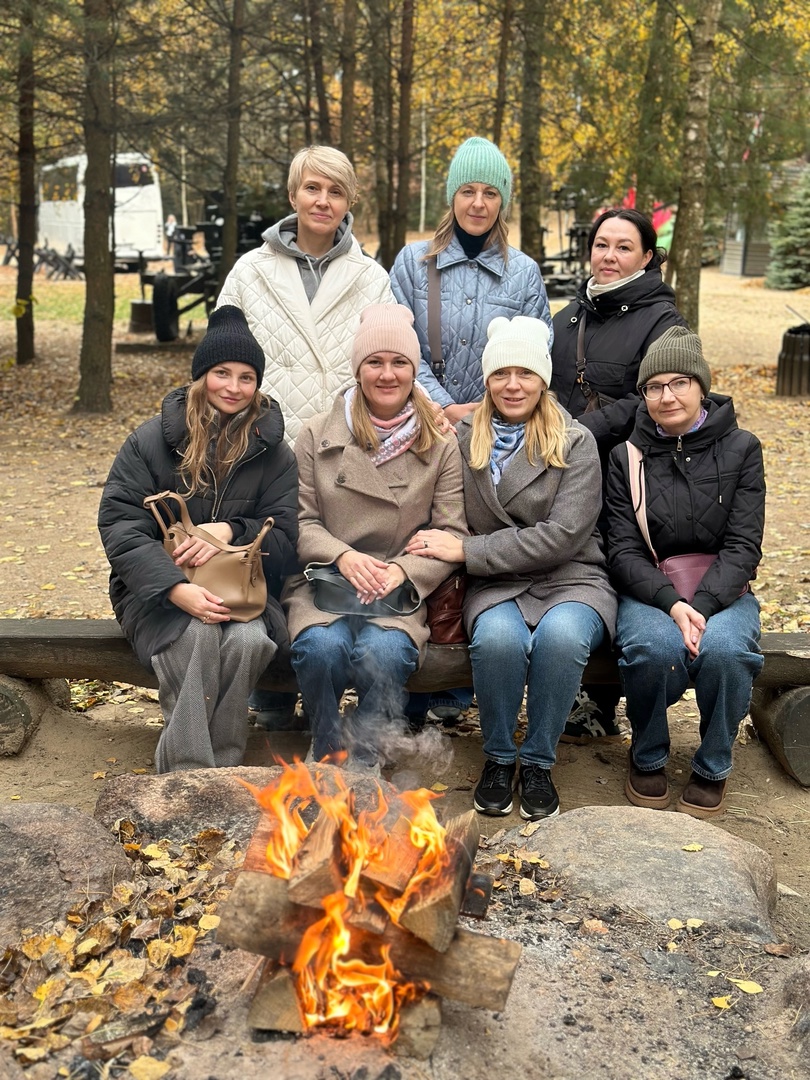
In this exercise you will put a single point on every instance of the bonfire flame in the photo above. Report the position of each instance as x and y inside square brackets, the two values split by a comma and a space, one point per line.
[335, 986]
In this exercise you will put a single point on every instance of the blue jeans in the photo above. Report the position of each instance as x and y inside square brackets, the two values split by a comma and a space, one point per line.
[353, 651]
[656, 667]
[548, 662]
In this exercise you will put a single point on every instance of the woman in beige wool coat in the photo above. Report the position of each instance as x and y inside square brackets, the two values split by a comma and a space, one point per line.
[372, 471]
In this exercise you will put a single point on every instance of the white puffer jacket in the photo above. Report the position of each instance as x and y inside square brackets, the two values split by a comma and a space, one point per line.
[307, 347]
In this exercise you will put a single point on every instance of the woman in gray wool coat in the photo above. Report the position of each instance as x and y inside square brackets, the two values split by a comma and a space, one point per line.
[540, 600]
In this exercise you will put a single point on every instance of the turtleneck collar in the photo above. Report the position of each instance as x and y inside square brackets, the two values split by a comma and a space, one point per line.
[472, 245]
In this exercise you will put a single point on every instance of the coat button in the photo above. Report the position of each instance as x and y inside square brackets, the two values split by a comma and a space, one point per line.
[463, 341]
[468, 301]
[324, 442]
[341, 479]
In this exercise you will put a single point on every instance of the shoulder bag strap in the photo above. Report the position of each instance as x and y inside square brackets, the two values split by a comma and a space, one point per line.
[638, 494]
[155, 501]
[434, 319]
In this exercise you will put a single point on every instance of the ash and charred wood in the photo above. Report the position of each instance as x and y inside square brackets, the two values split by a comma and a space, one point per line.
[476, 970]
[317, 871]
[275, 1005]
[433, 913]
[419, 1027]
[478, 895]
[366, 913]
[399, 860]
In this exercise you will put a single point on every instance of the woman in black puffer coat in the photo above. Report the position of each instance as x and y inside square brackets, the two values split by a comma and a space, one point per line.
[704, 486]
[220, 443]
[622, 308]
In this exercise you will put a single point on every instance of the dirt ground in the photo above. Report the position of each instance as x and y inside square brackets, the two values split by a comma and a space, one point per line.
[51, 564]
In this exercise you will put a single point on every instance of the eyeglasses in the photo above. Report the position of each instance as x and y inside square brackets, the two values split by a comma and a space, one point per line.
[652, 391]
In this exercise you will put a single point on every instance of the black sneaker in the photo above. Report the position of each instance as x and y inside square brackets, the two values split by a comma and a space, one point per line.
[538, 796]
[494, 792]
[586, 723]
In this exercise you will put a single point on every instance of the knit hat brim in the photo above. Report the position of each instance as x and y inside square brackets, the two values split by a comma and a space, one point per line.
[479, 161]
[679, 351]
[518, 342]
[228, 339]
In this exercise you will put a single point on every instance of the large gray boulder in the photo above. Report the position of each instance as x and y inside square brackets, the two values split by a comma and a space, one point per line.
[635, 858]
[51, 859]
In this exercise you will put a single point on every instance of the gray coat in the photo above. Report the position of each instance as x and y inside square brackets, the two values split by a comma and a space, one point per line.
[346, 502]
[534, 537]
[473, 293]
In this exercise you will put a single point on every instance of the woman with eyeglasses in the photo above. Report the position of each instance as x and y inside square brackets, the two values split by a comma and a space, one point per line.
[703, 483]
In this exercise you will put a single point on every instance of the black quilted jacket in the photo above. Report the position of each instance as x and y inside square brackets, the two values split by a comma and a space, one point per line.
[705, 494]
[263, 483]
[619, 328]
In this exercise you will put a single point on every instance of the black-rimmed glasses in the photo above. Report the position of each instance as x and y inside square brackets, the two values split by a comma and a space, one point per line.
[652, 391]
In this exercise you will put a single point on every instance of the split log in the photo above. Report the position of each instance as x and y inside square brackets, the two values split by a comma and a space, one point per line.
[476, 970]
[22, 706]
[433, 913]
[478, 895]
[317, 870]
[419, 1026]
[783, 721]
[399, 860]
[366, 913]
[275, 1005]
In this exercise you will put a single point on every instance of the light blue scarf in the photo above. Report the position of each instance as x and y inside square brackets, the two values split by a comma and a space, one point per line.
[508, 440]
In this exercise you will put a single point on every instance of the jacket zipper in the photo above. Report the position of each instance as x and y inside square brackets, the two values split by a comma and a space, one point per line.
[219, 496]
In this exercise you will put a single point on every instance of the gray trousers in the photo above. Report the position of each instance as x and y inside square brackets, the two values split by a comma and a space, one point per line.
[205, 678]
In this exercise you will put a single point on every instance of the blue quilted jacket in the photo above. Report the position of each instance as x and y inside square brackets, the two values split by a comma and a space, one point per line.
[473, 293]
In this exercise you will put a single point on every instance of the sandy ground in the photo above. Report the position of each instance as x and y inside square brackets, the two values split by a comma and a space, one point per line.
[51, 563]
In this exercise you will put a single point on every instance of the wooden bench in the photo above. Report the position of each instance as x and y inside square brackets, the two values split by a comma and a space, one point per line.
[36, 649]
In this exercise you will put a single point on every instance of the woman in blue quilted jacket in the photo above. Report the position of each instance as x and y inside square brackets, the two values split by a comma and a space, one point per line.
[479, 277]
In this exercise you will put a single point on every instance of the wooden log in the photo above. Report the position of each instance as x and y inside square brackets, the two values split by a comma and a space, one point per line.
[275, 1005]
[433, 912]
[419, 1027]
[399, 859]
[317, 868]
[783, 721]
[476, 970]
[96, 649]
[22, 706]
[478, 895]
[366, 913]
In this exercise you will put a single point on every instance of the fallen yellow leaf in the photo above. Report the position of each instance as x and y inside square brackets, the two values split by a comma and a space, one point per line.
[675, 924]
[722, 1002]
[693, 924]
[48, 586]
[692, 847]
[434, 787]
[148, 1068]
[672, 946]
[99, 776]
[712, 974]
[209, 922]
[747, 986]
[526, 887]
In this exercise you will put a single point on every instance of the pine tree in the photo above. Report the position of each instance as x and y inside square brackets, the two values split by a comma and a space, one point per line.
[790, 242]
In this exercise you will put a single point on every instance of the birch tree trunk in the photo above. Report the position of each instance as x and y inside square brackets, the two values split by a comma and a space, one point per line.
[531, 235]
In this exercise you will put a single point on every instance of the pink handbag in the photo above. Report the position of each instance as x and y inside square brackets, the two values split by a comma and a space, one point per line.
[684, 571]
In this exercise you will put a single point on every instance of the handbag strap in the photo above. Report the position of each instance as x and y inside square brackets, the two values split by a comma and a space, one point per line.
[638, 494]
[434, 319]
[584, 385]
[152, 502]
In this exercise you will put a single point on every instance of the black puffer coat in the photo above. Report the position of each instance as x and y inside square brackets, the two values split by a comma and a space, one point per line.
[264, 483]
[705, 494]
[619, 328]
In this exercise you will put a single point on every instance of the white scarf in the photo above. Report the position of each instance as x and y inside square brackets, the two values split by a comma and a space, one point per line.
[597, 290]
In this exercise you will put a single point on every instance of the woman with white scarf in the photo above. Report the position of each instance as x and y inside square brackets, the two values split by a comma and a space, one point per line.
[539, 601]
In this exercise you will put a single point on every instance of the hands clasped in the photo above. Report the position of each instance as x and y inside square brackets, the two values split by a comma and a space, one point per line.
[372, 577]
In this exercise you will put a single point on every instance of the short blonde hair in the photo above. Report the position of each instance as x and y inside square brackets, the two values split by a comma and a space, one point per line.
[324, 161]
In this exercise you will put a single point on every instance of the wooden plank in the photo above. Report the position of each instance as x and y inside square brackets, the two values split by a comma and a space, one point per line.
[433, 913]
[476, 970]
[96, 649]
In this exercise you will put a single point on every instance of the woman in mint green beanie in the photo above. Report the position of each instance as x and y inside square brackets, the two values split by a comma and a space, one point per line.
[480, 277]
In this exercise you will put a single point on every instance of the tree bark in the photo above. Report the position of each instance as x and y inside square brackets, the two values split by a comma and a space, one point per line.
[651, 109]
[95, 359]
[348, 65]
[383, 126]
[404, 128]
[531, 235]
[26, 155]
[688, 238]
[504, 44]
[313, 8]
[230, 179]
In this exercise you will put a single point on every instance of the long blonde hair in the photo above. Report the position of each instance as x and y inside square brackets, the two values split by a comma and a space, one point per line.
[204, 423]
[546, 437]
[445, 230]
[366, 436]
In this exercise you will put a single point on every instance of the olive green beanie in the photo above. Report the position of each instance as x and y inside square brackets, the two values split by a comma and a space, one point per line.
[679, 351]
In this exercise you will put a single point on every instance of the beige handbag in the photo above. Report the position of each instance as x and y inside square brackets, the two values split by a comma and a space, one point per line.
[235, 572]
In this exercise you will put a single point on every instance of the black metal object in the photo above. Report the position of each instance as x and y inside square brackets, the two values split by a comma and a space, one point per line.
[793, 365]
